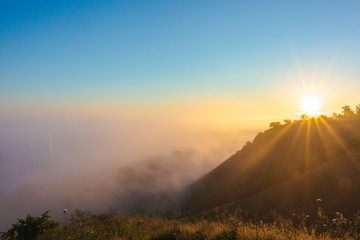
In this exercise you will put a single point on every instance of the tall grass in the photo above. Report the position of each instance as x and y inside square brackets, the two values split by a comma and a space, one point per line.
[86, 226]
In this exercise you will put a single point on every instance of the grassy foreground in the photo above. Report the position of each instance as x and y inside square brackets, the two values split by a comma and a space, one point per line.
[86, 226]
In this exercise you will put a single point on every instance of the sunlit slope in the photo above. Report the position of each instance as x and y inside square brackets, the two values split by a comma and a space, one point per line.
[287, 167]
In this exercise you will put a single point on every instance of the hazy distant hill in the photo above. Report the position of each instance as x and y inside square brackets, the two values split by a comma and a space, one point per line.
[288, 167]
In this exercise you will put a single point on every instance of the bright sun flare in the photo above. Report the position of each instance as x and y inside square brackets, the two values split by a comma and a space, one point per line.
[311, 105]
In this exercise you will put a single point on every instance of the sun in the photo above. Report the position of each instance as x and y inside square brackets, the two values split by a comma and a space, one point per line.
[311, 105]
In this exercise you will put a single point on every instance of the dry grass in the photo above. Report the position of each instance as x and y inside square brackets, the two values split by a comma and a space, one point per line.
[86, 226]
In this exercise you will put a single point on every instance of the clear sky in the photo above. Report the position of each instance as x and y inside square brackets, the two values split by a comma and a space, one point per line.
[121, 58]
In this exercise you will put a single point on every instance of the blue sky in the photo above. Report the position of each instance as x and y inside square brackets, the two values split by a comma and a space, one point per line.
[124, 51]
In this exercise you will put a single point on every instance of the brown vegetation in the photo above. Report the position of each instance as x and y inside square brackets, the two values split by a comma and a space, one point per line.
[225, 226]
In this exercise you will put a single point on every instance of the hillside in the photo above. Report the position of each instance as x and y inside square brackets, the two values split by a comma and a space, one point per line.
[287, 168]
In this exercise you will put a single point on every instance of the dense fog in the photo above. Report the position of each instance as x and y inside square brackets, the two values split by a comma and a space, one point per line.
[102, 165]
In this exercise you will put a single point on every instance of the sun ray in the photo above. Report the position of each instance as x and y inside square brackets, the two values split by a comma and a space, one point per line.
[322, 137]
[341, 143]
[307, 145]
[295, 138]
[264, 150]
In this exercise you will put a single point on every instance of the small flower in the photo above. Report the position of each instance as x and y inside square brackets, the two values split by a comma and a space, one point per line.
[334, 221]
[307, 216]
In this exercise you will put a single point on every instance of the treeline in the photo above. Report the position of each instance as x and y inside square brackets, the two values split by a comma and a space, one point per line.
[346, 113]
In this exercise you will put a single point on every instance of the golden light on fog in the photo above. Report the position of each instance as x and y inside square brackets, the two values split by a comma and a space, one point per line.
[311, 105]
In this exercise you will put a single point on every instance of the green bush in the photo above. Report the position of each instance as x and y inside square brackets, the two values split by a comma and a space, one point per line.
[30, 227]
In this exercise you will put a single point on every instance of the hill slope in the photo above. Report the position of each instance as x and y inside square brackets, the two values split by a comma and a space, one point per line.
[288, 167]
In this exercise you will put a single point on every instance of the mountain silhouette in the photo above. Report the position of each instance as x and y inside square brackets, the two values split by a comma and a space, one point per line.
[290, 167]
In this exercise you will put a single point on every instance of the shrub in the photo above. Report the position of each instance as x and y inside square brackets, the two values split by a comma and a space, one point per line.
[30, 227]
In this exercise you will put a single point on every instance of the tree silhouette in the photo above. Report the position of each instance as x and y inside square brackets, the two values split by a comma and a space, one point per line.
[357, 110]
[304, 117]
[287, 121]
[275, 124]
[348, 112]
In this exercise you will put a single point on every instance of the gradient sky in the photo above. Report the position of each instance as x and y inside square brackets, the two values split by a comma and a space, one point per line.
[142, 57]
[89, 86]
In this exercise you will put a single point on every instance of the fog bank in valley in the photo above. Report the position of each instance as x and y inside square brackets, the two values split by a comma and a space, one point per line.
[100, 165]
